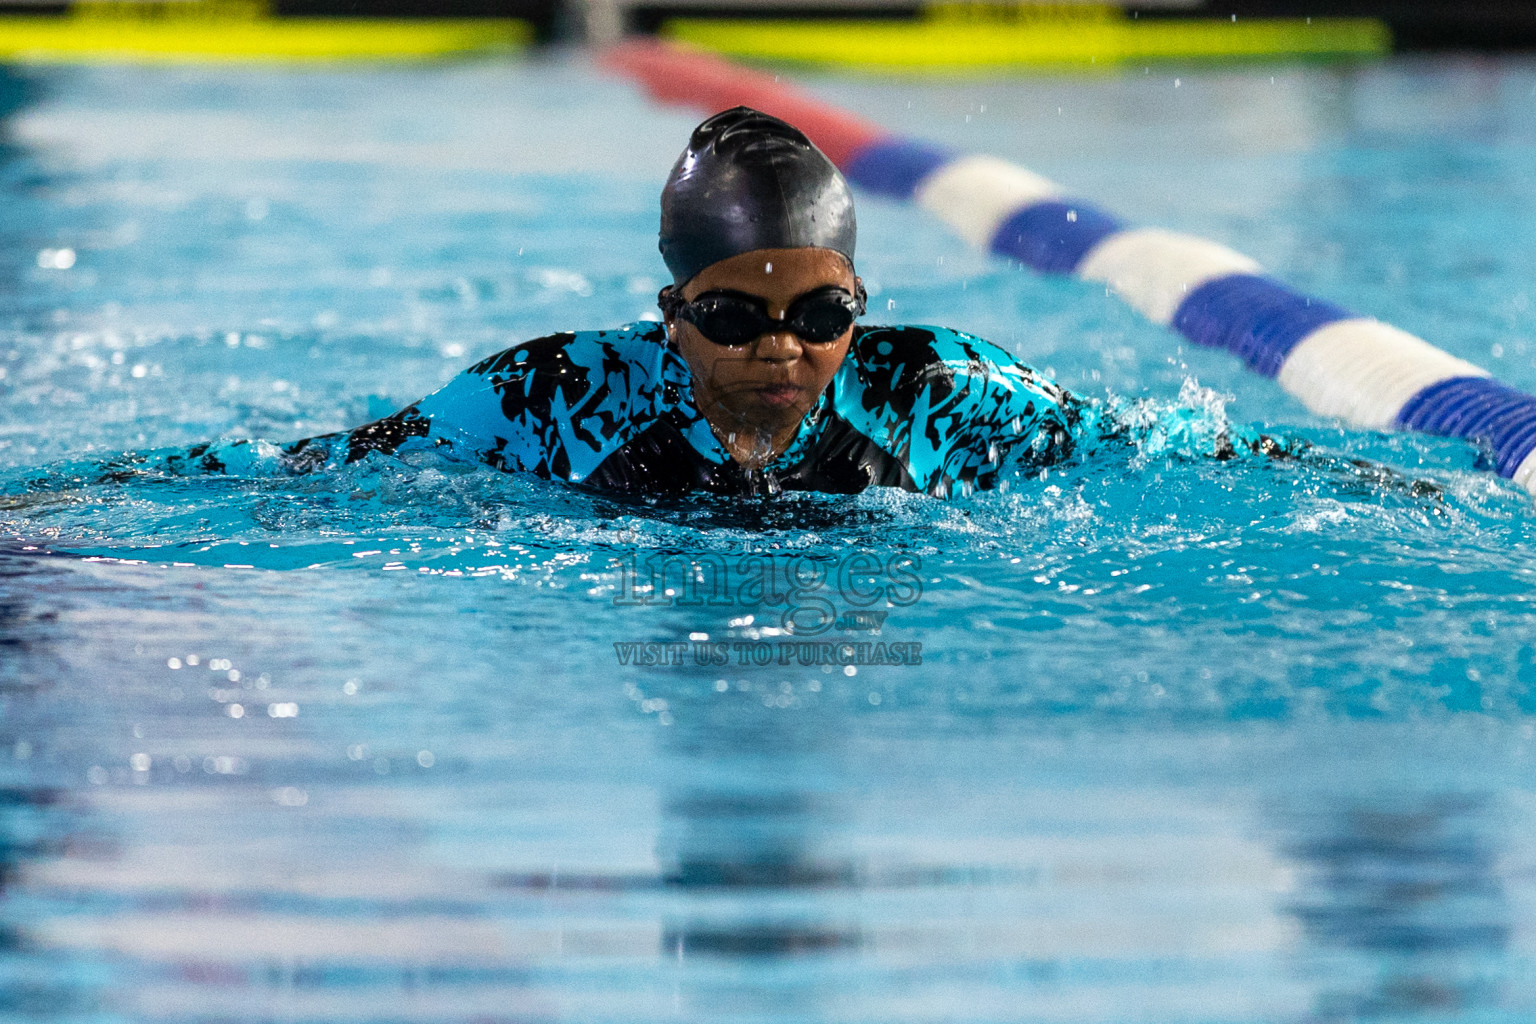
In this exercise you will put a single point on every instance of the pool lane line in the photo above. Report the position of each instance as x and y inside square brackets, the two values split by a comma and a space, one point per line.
[1337, 363]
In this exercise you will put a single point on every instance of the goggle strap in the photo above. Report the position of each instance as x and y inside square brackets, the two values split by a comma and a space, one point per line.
[670, 302]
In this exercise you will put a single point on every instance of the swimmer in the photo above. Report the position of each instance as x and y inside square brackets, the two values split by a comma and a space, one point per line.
[756, 380]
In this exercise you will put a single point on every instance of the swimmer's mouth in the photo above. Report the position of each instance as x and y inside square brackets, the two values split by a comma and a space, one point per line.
[780, 396]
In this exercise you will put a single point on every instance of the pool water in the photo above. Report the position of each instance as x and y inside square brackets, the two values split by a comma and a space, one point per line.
[1168, 738]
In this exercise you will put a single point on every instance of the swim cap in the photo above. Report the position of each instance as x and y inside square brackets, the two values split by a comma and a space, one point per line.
[750, 181]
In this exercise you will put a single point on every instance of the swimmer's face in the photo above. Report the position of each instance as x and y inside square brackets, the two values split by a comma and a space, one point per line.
[766, 386]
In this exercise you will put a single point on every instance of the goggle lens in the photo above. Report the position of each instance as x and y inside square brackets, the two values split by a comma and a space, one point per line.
[732, 318]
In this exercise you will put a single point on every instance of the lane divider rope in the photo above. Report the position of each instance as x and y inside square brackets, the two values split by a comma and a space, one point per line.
[1337, 363]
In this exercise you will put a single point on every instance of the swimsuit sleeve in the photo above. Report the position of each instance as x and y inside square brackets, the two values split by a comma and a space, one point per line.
[953, 407]
[555, 406]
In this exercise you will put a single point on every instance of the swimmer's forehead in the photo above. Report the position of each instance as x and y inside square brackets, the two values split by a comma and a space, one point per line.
[795, 268]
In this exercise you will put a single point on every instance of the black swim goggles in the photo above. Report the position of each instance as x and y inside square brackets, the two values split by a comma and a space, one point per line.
[733, 318]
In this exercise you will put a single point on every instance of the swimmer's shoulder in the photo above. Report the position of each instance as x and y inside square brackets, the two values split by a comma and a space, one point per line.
[576, 355]
[621, 370]
[921, 365]
[950, 405]
[559, 404]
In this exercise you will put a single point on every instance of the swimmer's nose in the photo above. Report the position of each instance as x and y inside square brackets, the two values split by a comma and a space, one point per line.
[778, 347]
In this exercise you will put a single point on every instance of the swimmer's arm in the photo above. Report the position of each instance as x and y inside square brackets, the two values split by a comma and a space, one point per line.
[443, 422]
[1010, 412]
[464, 418]
[544, 406]
[1369, 477]
[552, 406]
[1194, 433]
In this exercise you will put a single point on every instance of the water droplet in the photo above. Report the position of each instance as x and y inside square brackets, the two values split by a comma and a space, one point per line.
[289, 796]
[56, 259]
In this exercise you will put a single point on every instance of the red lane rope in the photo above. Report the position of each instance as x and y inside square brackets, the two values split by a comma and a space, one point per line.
[674, 74]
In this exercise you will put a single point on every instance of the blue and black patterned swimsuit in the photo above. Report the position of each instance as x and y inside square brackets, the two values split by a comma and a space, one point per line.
[921, 408]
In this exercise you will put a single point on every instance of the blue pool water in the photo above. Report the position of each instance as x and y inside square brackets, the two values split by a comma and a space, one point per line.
[1189, 740]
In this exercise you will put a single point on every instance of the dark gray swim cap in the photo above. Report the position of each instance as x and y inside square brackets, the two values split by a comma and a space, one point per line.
[750, 181]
